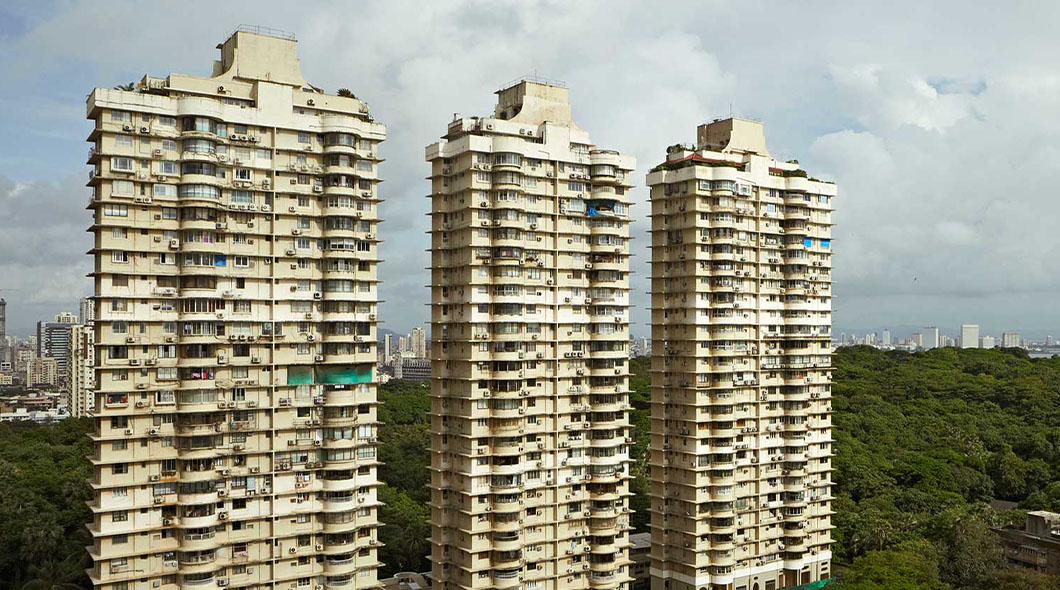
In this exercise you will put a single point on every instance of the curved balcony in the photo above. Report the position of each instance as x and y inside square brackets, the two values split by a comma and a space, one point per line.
[604, 580]
[207, 584]
[335, 565]
[343, 526]
[198, 498]
[342, 504]
[199, 541]
[507, 541]
[201, 522]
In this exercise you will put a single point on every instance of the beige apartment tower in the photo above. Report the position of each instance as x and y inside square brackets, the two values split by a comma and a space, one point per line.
[82, 362]
[530, 432]
[741, 449]
[235, 257]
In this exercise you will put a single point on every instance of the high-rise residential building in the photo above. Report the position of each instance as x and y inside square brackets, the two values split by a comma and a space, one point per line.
[82, 360]
[403, 345]
[235, 221]
[987, 342]
[741, 296]
[419, 343]
[388, 348]
[53, 340]
[529, 346]
[917, 339]
[5, 347]
[969, 336]
[87, 310]
[930, 338]
[412, 368]
[1011, 340]
[885, 339]
[42, 371]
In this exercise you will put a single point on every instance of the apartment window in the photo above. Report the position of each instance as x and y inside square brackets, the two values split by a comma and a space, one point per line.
[304, 137]
[119, 233]
[119, 468]
[112, 210]
[121, 116]
[121, 164]
[119, 257]
[119, 492]
[167, 121]
[122, 187]
[119, 445]
[120, 516]
[123, 140]
[242, 261]
[242, 174]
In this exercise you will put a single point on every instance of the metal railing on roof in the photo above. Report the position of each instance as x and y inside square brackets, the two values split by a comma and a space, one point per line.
[534, 79]
[267, 31]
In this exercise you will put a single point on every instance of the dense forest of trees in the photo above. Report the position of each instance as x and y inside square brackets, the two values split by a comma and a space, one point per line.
[922, 443]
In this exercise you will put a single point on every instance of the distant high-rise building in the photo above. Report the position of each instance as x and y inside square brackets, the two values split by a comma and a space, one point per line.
[388, 348]
[235, 257]
[53, 340]
[917, 339]
[930, 338]
[87, 310]
[413, 369]
[1011, 340]
[5, 347]
[530, 333]
[82, 360]
[885, 339]
[403, 345]
[987, 342]
[741, 305]
[42, 371]
[419, 343]
[969, 336]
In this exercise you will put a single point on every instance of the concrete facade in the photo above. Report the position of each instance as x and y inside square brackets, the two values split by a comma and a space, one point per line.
[530, 431]
[235, 223]
[82, 360]
[740, 461]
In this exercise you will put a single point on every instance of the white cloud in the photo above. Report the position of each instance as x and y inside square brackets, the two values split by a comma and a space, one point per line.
[945, 148]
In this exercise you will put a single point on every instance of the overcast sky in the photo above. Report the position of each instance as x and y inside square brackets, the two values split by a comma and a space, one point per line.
[940, 121]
